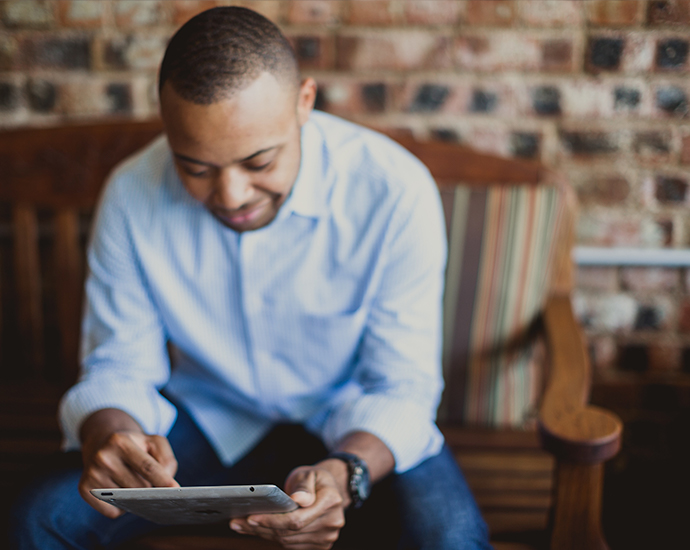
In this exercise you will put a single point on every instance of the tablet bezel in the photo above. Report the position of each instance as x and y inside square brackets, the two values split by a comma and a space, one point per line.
[198, 505]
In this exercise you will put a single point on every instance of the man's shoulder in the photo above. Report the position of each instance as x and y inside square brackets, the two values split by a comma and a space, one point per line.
[373, 167]
[358, 146]
[148, 163]
[139, 177]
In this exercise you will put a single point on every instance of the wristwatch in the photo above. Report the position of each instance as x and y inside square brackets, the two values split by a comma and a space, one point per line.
[359, 485]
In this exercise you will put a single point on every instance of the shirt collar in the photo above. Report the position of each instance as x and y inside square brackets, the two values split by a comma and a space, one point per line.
[308, 195]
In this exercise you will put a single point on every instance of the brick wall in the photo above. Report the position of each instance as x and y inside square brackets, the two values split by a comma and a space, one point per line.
[597, 88]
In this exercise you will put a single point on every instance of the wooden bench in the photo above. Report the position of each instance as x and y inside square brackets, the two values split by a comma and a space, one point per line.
[535, 488]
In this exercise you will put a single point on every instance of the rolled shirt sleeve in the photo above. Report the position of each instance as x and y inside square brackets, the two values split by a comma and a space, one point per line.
[399, 366]
[123, 354]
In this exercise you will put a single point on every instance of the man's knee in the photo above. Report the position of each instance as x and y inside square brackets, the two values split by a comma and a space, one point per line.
[437, 507]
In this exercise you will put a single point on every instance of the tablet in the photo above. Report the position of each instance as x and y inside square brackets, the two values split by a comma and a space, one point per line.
[188, 505]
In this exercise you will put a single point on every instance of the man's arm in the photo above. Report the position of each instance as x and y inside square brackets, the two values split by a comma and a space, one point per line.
[117, 453]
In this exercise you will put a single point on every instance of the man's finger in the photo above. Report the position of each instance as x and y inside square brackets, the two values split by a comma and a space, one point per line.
[160, 449]
[301, 485]
[147, 466]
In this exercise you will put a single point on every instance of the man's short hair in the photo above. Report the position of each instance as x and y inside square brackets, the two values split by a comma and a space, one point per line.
[221, 51]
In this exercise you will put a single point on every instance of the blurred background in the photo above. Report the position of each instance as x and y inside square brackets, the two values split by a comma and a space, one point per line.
[596, 88]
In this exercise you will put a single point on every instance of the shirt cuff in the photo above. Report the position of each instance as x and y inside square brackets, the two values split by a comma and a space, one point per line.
[147, 406]
[404, 427]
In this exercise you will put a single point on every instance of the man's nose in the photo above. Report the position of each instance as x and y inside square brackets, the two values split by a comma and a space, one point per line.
[233, 188]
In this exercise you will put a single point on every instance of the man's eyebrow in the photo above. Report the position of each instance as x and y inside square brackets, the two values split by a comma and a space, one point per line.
[196, 161]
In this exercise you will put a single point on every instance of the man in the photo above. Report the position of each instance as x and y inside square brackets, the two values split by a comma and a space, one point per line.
[292, 265]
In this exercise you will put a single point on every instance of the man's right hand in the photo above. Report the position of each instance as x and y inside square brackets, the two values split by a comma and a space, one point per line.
[117, 453]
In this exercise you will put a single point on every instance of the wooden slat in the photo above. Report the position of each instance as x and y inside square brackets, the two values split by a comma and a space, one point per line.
[505, 482]
[459, 437]
[528, 463]
[510, 522]
[68, 264]
[66, 166]
[450, 162]
[28, 284]
[515, 500]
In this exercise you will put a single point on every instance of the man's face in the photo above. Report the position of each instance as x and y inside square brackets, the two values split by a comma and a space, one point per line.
[240, 156]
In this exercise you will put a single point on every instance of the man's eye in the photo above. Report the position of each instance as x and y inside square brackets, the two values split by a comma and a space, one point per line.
[253, 168]
[195, 173]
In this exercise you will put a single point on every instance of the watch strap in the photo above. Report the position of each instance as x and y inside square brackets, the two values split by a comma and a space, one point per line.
[358, 483]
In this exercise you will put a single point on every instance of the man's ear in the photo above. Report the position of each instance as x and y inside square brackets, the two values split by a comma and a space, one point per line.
[305, 100]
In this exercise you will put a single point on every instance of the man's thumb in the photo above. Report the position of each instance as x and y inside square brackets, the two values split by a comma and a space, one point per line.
[303, 488]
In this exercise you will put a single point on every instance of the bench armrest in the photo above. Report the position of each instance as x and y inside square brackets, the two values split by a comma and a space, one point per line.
[570, 428]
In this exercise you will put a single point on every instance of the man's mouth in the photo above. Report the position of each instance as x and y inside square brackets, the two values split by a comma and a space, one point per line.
[244, 216]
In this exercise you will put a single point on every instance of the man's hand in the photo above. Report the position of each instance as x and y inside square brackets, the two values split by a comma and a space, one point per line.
[116, 453]
[317, 523]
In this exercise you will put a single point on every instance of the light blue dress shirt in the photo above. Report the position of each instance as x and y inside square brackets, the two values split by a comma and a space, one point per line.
[330, 316]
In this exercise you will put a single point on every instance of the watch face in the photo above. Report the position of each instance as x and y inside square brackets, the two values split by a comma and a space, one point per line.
[360, 485]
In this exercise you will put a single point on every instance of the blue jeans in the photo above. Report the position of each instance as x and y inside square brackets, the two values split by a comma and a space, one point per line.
[429, 507]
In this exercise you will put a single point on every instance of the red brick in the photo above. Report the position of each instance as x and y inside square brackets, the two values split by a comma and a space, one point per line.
[439, 12]
[497, 13]
[597, 278]
[270, 9]
[615, 13]
[684, 316]
[81, 14]
[488, 52]
[352, 97]
[398, 50]
[650, 279]
[557, 55]
[656, 313]
[638, 54]
[605, 312]
[9, 53]
[314, 12]
[603, 190]
[550, 13]
[685, 150]
[135, 51]
[686, 285]
[314, 51]
[133, 14]
[36, 14]
[83, 97]
[587, 98]
[183, 11]
[653, 147]
[669, 12]
[488, 139]
[614, 228]
[590, 144]
[373, 12]
[604, 352]
[56, 51]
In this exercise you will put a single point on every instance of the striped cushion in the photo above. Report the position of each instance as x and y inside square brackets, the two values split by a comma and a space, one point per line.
[501, 248]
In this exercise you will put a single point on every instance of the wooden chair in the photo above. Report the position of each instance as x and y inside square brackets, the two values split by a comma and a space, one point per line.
[536, 488]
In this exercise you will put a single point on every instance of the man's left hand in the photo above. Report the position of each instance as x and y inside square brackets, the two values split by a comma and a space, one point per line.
[315, 525]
